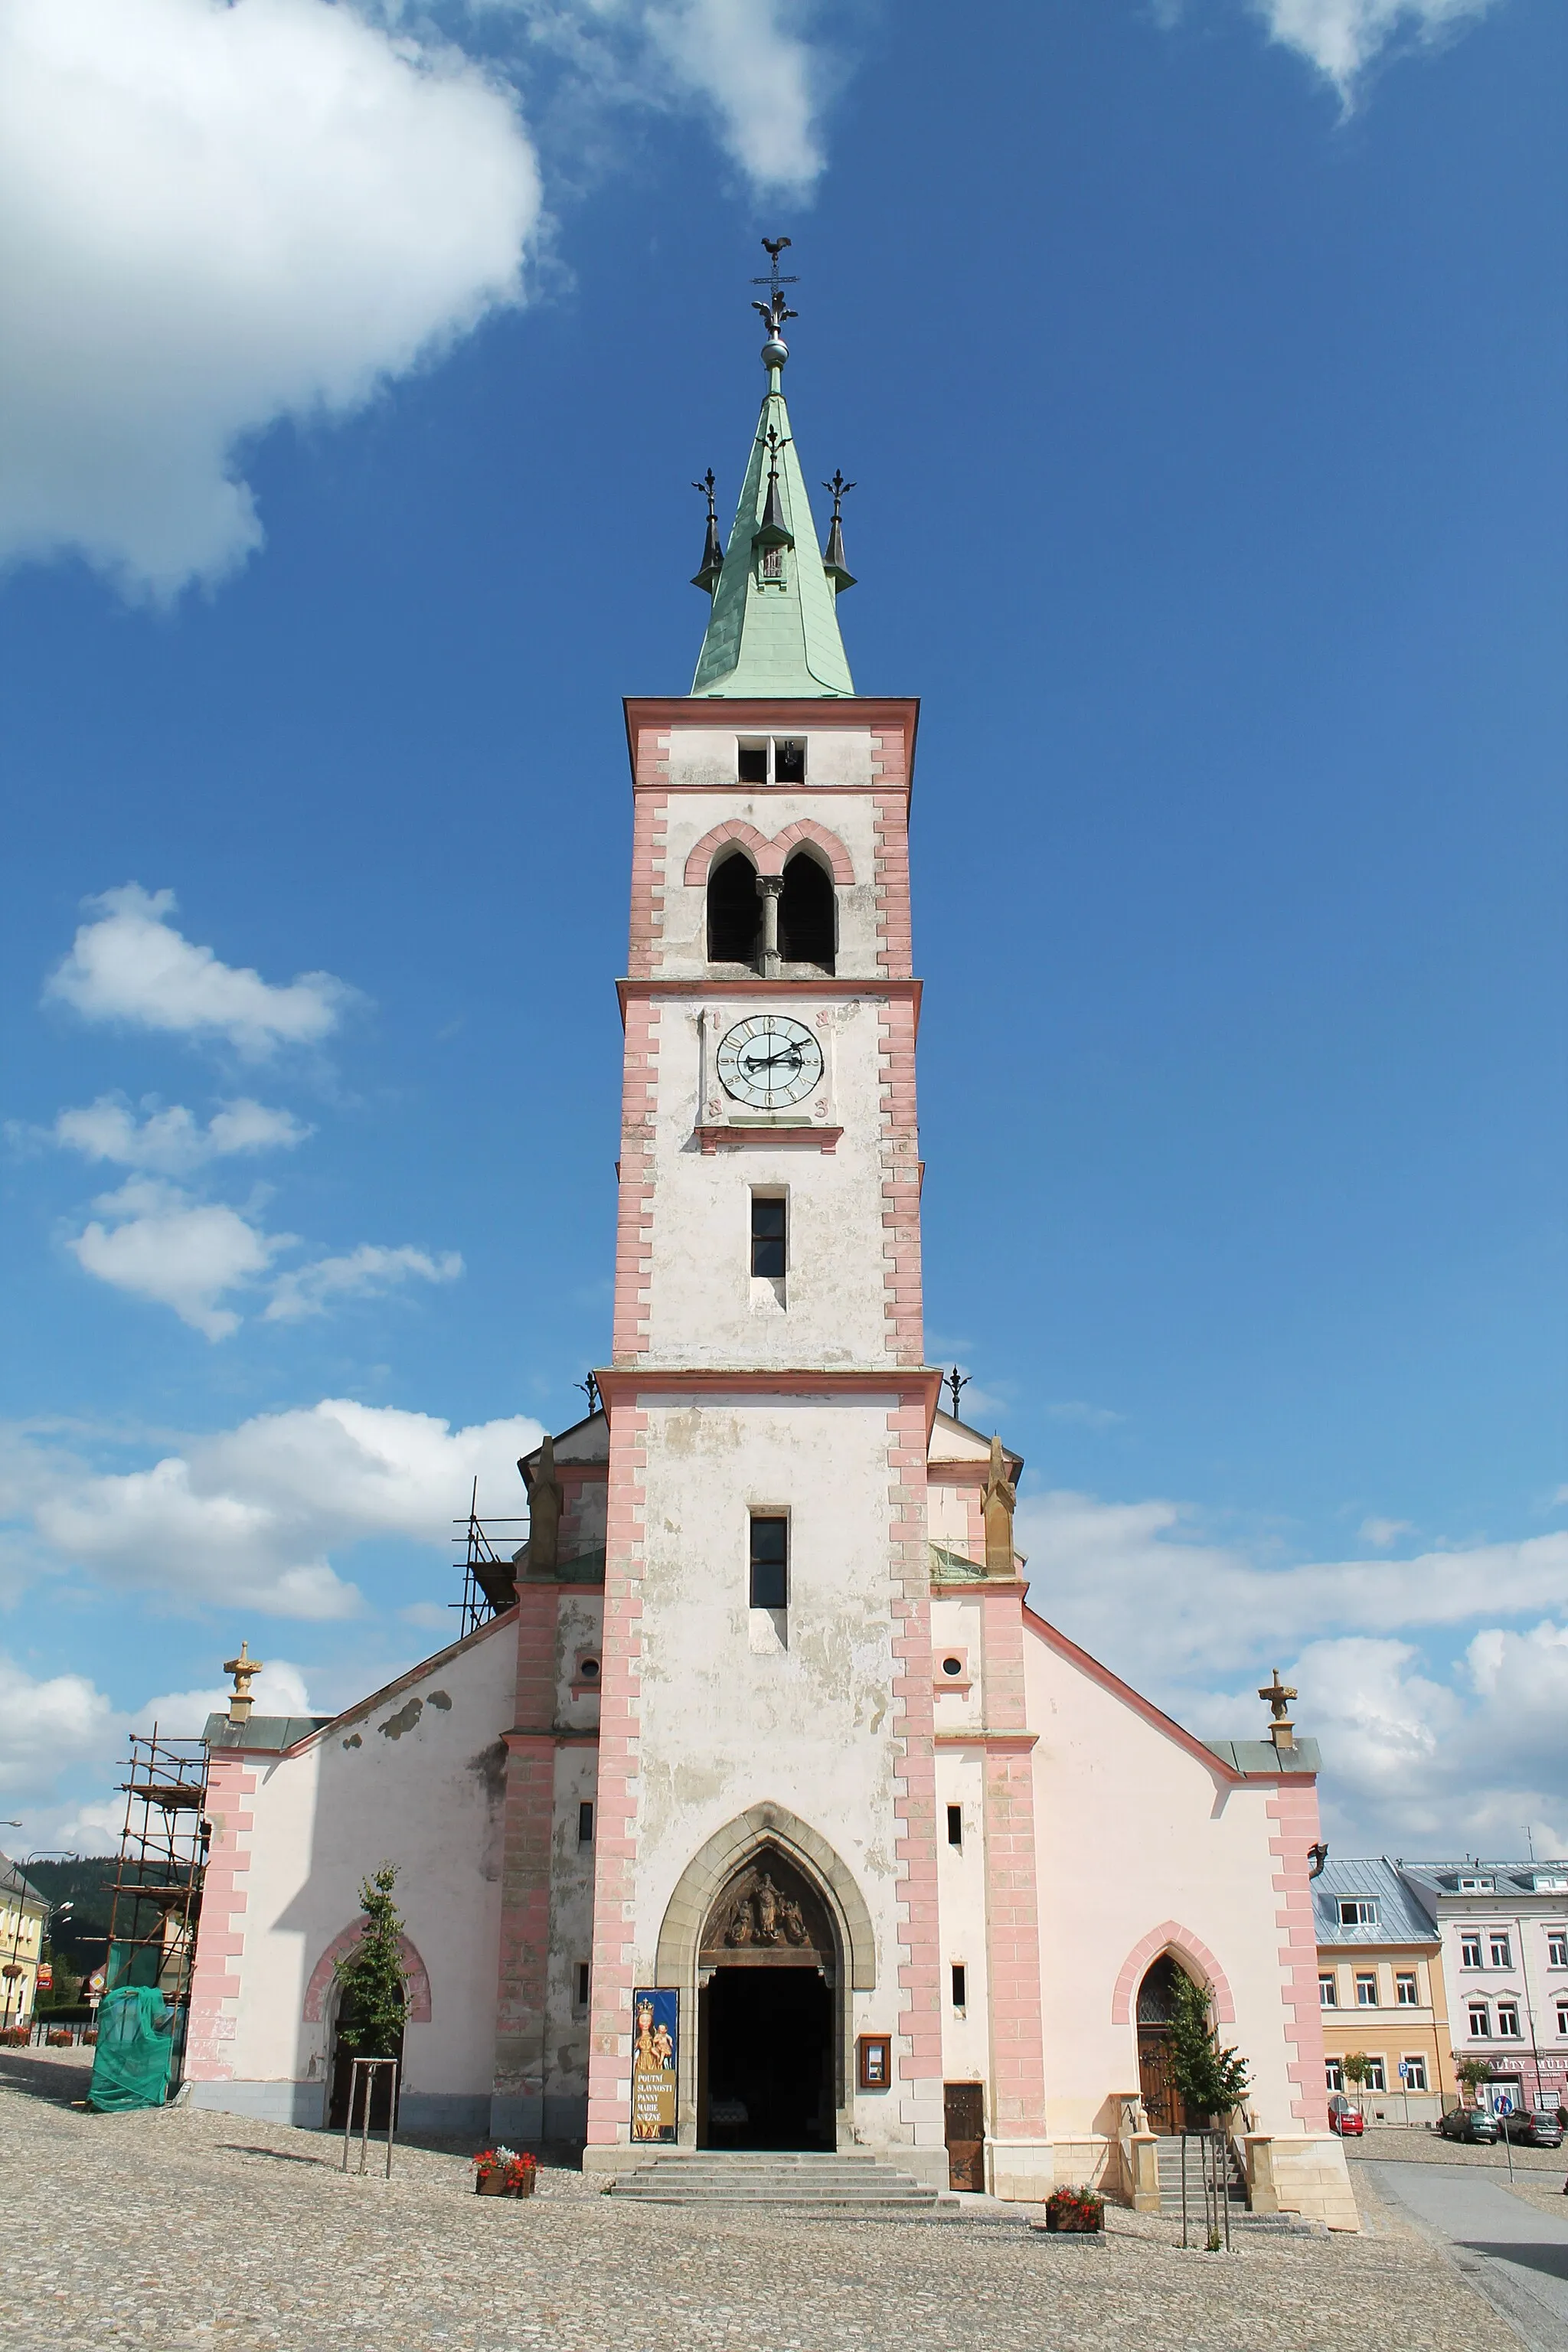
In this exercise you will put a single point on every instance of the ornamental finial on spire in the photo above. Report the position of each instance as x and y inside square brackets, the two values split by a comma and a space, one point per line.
[774, 310]
[712, 565]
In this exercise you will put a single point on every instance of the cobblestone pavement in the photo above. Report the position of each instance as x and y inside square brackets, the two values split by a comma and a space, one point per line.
[184, 2231]
[1420, 2145]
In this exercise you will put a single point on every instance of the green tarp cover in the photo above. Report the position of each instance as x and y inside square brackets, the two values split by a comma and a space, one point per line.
[135, 2036]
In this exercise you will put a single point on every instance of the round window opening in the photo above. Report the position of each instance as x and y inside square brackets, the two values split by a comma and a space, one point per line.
[952, 1665]
[589, 1670]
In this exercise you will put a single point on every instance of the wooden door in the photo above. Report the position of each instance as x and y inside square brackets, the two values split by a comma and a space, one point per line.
[1155, 2080]
[964, 2113]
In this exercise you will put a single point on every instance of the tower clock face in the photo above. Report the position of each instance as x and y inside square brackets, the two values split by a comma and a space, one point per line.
[769, 1062]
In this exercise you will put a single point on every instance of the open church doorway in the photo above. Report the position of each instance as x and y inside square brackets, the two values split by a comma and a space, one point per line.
[767, 2020]
[1162, 2102]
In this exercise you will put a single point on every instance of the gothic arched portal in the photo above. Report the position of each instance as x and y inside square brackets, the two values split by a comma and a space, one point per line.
[764, 1936]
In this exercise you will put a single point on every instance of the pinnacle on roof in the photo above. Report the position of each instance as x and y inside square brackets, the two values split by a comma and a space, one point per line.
[773, 629]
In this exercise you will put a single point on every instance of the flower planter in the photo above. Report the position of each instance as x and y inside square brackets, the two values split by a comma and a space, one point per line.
[491, 2184]
[1073, 2225]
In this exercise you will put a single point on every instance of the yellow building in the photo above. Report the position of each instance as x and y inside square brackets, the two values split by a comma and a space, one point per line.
[1380, 1986]
[24, 1917]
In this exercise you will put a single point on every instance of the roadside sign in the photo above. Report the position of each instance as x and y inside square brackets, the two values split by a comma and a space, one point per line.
[97, 1981]
[45, 1977]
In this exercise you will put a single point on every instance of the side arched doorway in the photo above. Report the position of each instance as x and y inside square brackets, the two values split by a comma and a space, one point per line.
[1162, 2102]
[343, 2074]
[768, 2023]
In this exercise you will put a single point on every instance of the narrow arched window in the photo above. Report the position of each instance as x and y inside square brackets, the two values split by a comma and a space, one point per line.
[808, 914]
[734, 910]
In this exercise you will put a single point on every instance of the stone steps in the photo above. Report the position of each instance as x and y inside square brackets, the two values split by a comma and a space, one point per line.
[852, 2185]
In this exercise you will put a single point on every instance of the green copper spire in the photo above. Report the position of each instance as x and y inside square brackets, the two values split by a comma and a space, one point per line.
[773, 629]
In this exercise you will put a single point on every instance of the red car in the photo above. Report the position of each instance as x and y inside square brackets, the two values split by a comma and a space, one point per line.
[1344, 2118]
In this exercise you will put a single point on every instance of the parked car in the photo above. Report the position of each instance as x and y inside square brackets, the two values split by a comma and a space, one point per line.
[1533, 2127]
[1469, 2124]
[1345, 2118]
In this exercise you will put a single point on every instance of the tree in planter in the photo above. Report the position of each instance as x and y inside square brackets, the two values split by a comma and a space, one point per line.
[1472, 2072]
[1356, 2070]
[1209, 2077]
[374, 1981]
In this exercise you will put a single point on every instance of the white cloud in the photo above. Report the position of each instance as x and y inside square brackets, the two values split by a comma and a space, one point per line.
[760, 77]
[213, 217]
[752, 66]
[253, 1516]
[172, 1142]
[46, 1728]
[1418, 1757]
[130, 965]
[364, 1272]
[1341, 37]
[163, 1245]
[1384, 1532]
[1085, 1416]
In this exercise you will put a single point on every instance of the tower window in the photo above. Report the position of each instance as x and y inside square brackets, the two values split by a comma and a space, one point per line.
[752, 764]
[773, 563]
[768, 1235]
[584, 1824]
[955, 1824]
[734, 910]
[581, 1984]
[808, 913]
[960, 1985]
[789, 762]
[770, 1563]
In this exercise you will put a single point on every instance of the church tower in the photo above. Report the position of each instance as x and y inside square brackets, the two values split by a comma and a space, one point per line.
[765, 1849]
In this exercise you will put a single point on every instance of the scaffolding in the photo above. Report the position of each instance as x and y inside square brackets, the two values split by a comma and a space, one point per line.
[157, 1893]
[489, 1578]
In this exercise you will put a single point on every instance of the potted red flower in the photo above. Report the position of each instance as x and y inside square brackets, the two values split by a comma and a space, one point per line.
[502, 2173]
[1074, 2210]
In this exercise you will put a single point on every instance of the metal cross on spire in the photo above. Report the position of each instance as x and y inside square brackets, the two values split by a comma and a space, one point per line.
[775, 311]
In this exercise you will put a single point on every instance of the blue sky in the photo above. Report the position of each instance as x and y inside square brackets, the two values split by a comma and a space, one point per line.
[1201, 370]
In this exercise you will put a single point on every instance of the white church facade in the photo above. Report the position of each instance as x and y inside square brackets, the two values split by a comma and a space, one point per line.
[765, 1812]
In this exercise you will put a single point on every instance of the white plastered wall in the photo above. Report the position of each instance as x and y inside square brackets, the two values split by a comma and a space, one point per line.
[704, 1306]
[411, 1781]
[807, 1726]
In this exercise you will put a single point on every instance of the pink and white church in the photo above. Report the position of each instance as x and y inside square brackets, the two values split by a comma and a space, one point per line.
[762, 1738]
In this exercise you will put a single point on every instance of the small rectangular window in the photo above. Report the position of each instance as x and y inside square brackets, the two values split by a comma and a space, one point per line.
[955, 1824]
[1328, 1992]
[1413, 2071]
[770, 1563]
[1376, 2080]
[1404, 1990]
[769, 1234]
[1557, 1948]
[1469, 1951]
[960, 1985]
[1476, 1886]
[1335, 2074]
[1480, 2021]
[1562, 2017]
[1358, 1911]
[752, 764]
[789, 762]
[1366, 1991]
[1507, 2021]
[584, 1824]
[581, 1984]
[1502, 1950]
[773, 563]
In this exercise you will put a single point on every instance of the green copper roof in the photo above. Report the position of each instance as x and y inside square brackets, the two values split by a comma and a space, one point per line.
[768, 638]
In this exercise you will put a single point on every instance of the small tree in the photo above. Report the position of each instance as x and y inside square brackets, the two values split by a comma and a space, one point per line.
[1472, 2072]
[1356, 2069]
[1210, 2078]
[373, 1979]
